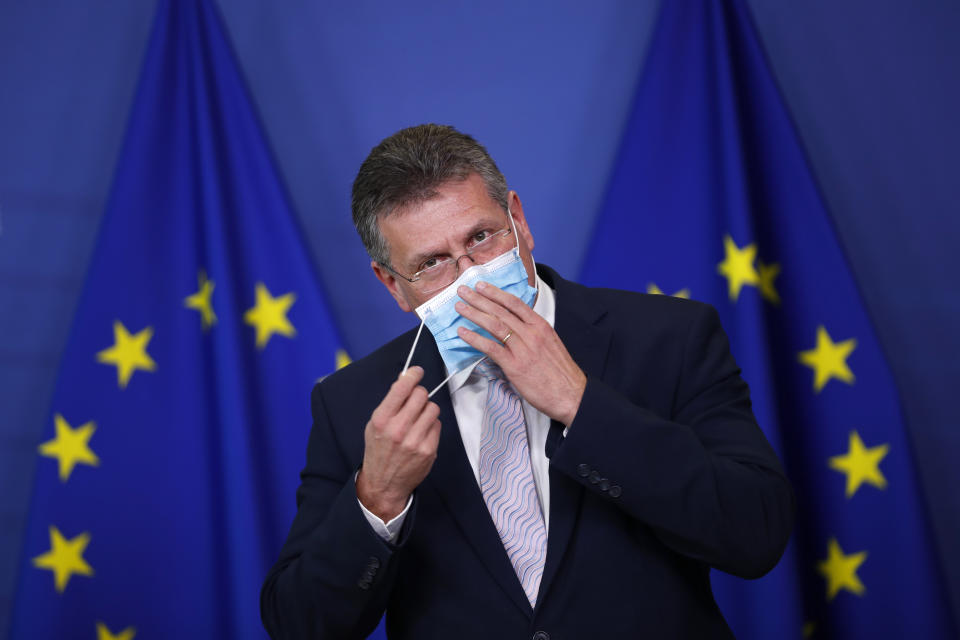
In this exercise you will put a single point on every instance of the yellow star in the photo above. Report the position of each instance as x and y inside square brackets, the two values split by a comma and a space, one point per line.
[840, 570]
[65, 558]
[737, 266]
[342, 359]
[128, 353]
[654, 289]
[767, 272]
[103, 633]
[861, 464]
[829, 359]
[269, 315]
[202, 301]
[70, 446]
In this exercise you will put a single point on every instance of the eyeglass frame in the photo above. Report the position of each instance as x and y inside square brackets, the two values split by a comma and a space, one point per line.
[417, 276]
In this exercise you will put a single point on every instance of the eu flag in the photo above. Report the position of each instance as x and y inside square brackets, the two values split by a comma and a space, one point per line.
[711, 197]
[166, 477]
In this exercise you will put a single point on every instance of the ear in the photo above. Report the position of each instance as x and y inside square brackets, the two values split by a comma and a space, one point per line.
[392, 284]
[516, 210]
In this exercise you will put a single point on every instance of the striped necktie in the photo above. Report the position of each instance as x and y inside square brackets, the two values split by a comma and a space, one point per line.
[506, 480]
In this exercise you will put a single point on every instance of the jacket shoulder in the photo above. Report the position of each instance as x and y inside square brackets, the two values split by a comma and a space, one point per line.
[649, 309]
[620, 306]
[370, 371]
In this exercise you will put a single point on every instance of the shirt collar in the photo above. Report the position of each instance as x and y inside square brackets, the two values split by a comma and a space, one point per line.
[545, 306]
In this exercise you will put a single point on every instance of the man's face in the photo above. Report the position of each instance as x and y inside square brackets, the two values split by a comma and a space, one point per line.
[442, 227]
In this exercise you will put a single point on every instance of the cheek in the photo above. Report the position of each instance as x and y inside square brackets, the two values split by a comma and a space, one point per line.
[399, 294]
[410, 298]
[525, 237]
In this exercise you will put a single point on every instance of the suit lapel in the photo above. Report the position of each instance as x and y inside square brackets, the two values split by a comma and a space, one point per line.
[452, 478]
[588, 345]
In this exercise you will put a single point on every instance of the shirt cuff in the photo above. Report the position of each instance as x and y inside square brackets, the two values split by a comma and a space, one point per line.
[386, 530]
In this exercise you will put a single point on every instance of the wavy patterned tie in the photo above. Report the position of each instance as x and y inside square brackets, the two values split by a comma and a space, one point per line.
[506, 481]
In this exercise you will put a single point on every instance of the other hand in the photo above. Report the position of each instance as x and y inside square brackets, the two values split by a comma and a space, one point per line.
[529, 351]
[400, 445]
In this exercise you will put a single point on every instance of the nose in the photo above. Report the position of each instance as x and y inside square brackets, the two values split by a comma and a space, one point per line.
[457, 261]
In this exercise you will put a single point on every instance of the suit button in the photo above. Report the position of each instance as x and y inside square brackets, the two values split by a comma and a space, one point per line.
[594, 477]
[583, 470]
[541, 635]
[615, 491]
[604, 484]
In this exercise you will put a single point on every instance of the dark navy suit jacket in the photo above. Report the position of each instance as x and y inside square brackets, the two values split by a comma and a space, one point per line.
[664, 474]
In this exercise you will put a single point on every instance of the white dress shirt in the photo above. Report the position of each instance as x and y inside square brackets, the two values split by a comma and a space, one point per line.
[468, 394]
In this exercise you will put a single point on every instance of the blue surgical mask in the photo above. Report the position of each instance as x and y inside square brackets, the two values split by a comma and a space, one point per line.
[439, 315]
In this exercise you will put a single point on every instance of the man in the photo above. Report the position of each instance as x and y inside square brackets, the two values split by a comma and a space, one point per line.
[580, 481]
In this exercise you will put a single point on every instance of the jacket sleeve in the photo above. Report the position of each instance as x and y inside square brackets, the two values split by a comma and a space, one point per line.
[706, 480]
[334, 573]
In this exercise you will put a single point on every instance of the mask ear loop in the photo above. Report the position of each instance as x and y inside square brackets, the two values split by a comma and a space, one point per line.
[536, 280]
[406, 365]
[416, 340]
[447, 379]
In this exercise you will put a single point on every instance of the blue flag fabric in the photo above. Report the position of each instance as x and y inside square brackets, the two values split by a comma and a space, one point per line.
[166, 477]
[712, 198]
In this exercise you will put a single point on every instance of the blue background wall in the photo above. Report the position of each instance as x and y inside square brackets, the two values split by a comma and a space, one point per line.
[872, 87]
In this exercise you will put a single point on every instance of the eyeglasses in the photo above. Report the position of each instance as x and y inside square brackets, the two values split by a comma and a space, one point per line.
[438, 273]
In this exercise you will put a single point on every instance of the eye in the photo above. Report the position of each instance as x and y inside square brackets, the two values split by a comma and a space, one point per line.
[479, 237]
[434, 263]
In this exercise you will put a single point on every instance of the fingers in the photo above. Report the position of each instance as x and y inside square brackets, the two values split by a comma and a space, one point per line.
[498, 312]
[508, 301]
[502, 314]
[414, 405]
[398, 394]
[497, 327]
[496, 350]
[487, 305]
[406, 414]
[421, 431]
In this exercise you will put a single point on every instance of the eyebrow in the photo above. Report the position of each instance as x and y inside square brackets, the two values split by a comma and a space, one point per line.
[419, 258]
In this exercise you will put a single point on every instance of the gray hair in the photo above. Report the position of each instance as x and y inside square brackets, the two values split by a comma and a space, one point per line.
[407, 168]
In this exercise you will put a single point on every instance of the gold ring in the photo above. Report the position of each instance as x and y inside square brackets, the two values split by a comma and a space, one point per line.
[507, 337]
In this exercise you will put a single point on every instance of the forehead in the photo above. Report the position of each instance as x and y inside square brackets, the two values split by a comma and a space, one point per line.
[435, 224]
